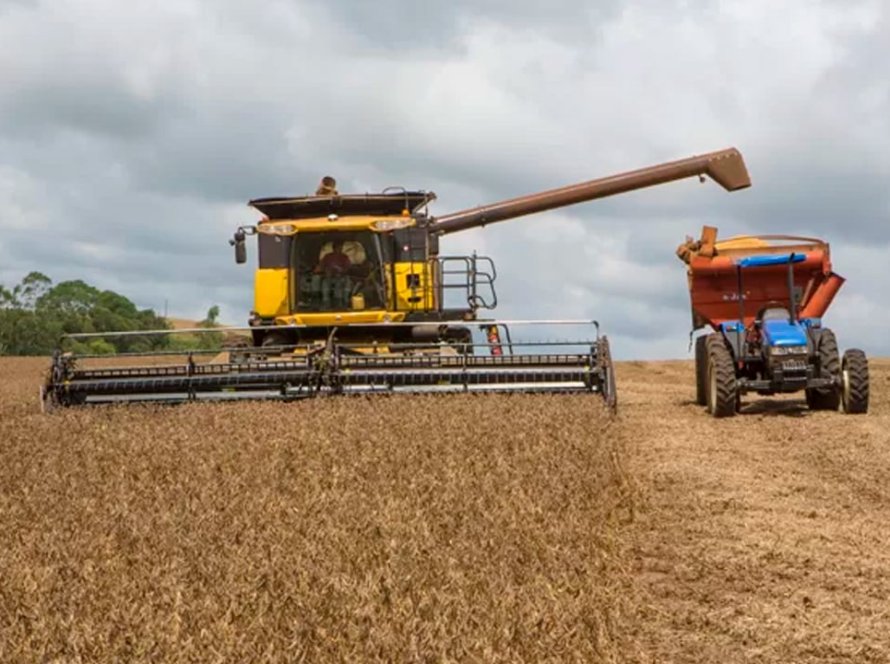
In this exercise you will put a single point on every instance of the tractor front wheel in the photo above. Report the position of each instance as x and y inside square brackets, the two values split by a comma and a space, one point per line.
[826, 398]
[723, 393]
[854, 382]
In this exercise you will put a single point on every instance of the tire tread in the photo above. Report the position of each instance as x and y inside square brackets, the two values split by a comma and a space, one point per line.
[720, 359]
[826, 398]
[856, 365]
[701, 371]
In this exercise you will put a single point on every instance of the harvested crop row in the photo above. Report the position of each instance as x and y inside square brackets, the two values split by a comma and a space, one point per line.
[392, 528]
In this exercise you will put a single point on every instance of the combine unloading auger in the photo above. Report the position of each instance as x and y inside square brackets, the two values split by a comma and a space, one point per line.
[353, 296]
[725, 167]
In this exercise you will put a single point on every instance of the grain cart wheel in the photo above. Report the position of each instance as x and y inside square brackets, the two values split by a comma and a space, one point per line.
[722, 388]
[826, 398]
[701, 371]
[854, 382]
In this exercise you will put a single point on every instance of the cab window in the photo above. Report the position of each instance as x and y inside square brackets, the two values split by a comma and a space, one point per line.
[337, 271]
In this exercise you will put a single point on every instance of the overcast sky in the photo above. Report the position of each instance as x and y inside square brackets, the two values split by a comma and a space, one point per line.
[133, 133]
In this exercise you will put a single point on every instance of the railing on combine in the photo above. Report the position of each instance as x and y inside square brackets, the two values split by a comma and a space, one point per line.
[470, 277]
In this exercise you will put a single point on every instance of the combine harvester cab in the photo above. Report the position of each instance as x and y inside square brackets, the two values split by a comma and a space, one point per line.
[764, 297]
[352, 295]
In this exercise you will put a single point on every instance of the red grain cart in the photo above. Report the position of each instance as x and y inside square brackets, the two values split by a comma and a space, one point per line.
[763, 297]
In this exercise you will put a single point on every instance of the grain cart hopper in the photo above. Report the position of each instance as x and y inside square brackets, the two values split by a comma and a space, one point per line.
[763, 298]
[352, 294]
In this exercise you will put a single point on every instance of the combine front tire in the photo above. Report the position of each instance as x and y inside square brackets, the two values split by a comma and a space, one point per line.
[272, 345]
[854, 382]
[722, 394]
[610, 393]
[701, 371]
[826, 398]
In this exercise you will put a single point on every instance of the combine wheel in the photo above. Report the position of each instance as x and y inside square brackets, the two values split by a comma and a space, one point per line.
[271, 340]
[459, 339]
[722, 388]
[854, 382]
[239, 352]
[701, 371]
[610, 393]
[826, 398]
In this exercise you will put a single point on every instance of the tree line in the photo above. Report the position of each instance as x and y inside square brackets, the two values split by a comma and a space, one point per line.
[35, 314]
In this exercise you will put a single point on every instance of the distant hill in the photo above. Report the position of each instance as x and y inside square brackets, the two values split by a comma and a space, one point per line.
[188, 323]
[182, 323]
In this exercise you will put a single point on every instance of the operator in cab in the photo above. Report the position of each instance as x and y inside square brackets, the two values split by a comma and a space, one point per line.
[335, 263]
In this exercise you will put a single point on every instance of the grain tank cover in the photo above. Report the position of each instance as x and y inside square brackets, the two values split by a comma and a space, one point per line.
[305, 207]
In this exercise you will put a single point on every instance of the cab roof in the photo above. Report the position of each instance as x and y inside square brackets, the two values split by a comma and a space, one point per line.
[305, 207]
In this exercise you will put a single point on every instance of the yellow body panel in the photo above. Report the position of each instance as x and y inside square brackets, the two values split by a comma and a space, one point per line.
[414, 291]
[414, 286]
[341, 318]
[271, 292]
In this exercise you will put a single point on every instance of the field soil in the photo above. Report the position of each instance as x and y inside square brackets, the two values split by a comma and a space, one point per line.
[450, 528]
[760, 538]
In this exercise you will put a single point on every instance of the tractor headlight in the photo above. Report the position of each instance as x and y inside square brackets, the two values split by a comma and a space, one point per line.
[777, 351]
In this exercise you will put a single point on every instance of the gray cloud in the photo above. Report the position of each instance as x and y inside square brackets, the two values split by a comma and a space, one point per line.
[391, 25]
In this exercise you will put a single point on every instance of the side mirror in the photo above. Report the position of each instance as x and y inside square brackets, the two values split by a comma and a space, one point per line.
[240, 248]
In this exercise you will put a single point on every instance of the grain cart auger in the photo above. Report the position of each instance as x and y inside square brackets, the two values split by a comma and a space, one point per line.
[353, 295]
[763, 298]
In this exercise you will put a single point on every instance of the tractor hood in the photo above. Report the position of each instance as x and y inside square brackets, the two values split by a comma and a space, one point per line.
[783, 333]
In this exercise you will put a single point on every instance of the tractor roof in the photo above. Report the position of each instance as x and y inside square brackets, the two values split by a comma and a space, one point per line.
[304, 207]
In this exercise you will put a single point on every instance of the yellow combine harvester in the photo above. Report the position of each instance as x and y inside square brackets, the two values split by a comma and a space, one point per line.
[353, 295]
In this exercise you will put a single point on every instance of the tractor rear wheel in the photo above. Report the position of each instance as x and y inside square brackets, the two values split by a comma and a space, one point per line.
[722, 387]
[826, 398]
[701, 371]
[854, 382]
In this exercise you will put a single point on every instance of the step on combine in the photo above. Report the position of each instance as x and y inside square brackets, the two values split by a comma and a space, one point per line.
[352, 295]
[762, 299]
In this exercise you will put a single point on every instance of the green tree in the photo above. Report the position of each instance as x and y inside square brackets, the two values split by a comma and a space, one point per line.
[34, 315]
[25, 294]
[212, 317]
